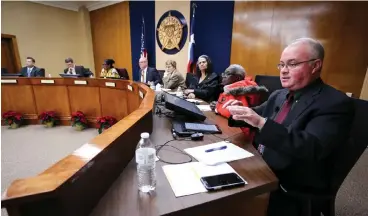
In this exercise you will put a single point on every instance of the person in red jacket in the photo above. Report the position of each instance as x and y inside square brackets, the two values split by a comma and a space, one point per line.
[239, 87]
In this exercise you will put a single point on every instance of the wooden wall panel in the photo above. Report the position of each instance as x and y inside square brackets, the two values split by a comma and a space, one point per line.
[57, 100]
[90, 104]
[113, 102]
[111, 36]
[18, 98]
[261, 30]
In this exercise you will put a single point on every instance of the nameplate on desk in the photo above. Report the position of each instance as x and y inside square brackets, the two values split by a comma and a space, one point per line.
[110, 84]
[80, 82]
[48, 81]
[9, 81]
[141, 94]
[130, 88]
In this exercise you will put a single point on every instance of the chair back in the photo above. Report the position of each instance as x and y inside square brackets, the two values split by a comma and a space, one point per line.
[161, 72]
[42, 71]
[272, 83]
[123, 73]
[348, 155]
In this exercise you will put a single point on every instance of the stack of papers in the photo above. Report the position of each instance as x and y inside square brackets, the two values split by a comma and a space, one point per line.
[204, 107]
[185, 180]
[229, 152]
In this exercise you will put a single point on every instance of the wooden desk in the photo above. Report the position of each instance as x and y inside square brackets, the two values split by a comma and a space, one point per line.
[94, 97]
[123, 197]
[75, 184]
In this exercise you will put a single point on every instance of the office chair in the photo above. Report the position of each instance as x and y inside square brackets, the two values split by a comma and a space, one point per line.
[272, 83]
[123, 73]
[42, 71]
[346, 157]
[161, 72]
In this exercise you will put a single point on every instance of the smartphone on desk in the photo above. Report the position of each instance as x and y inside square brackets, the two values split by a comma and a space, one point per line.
[222, 181]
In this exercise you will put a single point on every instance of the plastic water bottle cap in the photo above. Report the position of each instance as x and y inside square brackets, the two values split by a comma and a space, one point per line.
[145, 135]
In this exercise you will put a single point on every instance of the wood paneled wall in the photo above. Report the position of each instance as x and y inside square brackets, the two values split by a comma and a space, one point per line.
[261, 30]
[111, 36]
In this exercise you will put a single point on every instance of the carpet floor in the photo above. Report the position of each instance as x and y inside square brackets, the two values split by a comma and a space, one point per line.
[29, 150]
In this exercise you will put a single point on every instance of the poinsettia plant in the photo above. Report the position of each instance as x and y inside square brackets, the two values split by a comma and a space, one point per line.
[12, 118]
[105, 122]
[79, 119]
[48, 118]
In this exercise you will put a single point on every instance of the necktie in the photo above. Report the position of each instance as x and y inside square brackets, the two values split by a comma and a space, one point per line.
[29, 72]
[142, 76]
[280, 116]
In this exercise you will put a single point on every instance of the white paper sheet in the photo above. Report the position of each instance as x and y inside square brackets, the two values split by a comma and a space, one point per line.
[185, 180]
[231, 153]
[204, 107]
[194, 100]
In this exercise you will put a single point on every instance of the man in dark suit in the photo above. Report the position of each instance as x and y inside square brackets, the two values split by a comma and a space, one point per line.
[73, 69]
[148, 74]
[299, 127]
[31, 70]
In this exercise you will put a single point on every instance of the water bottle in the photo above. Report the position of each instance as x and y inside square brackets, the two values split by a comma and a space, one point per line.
[145, 156]
[179, 92]
[49, 75]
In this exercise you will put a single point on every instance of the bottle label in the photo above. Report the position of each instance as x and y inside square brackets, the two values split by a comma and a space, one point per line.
[145, 156]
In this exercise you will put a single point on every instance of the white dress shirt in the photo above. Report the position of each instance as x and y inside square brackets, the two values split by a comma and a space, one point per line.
[72, 70]
[29, 71]
[144, 75]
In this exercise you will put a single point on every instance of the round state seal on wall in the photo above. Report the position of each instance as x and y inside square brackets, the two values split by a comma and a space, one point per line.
[171, 32]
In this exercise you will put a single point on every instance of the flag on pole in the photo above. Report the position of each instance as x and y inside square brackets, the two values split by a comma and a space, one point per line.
[143, 40]
[191, 44]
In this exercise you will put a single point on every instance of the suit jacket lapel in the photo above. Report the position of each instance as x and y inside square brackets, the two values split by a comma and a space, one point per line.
[33, 71]
[301, 105]
[281, 98]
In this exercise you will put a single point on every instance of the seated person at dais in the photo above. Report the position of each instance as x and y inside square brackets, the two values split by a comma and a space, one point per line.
[204, 84]
[172, 78]
[239, 87]
[108, 70]
[31, 70]
[149, 75]
[72, 68]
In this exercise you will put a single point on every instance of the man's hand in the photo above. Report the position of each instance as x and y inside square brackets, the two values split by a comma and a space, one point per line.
[213, 105]
[191, 96]
[248, 115]
[188, 91]
[232, 102]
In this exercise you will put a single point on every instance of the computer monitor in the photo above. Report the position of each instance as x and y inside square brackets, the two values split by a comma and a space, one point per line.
[181, 106]
[70, 75]
[10, 75]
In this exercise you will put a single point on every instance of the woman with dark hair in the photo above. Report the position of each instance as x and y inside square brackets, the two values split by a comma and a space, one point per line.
[204, 85]
[108, 70]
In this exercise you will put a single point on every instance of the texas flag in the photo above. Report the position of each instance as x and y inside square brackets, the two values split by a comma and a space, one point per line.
[191, 46]
[143, 40]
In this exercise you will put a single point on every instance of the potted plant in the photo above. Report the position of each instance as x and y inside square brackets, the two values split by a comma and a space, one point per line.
[105, 122]
[79, 120]
[48, 119]
[13, 119]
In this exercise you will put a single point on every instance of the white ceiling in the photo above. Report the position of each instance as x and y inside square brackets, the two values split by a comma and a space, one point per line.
[75, 5]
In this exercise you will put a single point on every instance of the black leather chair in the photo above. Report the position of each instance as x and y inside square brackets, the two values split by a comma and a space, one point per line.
[161, 72]
[272, 83]
[346, 157]
[42, 71]
[123, 73]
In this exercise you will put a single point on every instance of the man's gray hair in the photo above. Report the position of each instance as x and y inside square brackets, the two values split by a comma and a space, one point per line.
[236, 70]
[318, 52]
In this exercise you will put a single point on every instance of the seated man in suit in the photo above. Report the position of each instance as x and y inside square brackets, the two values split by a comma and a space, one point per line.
[148, 74]
[31, 70]
[72, 68]
[299, 127]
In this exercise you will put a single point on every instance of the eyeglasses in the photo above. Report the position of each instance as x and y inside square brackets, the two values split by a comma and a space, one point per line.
[293, 64]
[226, 74]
